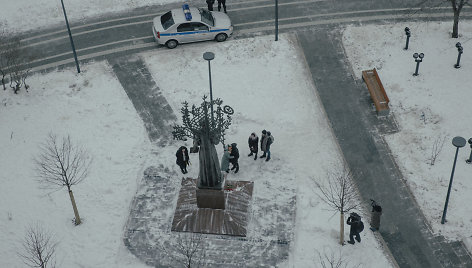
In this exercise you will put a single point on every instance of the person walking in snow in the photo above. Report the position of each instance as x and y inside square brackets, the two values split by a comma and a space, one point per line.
[357, 226]
[225, 159]
[263, 143]
[182, 159]
[235, 157]
[270, 140]
[253, 142]
[210, 4]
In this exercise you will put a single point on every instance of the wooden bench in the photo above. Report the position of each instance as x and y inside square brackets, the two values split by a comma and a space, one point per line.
[377, 91]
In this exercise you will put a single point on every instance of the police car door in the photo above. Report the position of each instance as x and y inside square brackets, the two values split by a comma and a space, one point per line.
[185, 33]
[202, 31]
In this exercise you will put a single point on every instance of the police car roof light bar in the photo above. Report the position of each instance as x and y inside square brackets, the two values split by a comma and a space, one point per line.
[186, 9]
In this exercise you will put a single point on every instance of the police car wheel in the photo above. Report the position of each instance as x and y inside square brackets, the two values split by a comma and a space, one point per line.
[221, 37]
[171, 44]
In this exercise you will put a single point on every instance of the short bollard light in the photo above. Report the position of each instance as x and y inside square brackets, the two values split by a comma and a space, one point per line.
[408, 34]
[418, 59]
[460, 50]
[468, 161]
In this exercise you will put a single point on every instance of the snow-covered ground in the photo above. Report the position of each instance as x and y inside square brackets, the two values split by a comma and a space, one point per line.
[93, 108]
[431, 107]
[24, 15]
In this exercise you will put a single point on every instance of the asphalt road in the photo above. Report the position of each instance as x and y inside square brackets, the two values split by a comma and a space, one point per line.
[131, 31]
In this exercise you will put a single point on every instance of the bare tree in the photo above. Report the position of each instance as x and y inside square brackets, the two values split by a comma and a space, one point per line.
[329, 259]
[436, 150]
[457, 6]
[18, 69]
[339, 193]
[188, 250]
[38, 248]
[64, 164]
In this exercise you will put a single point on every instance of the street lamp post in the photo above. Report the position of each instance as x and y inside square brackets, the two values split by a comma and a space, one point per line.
[209, 56]
[276, 20]
[460, 50]
[458, 142]
[70, 37]
[418, 59]
[408, 34]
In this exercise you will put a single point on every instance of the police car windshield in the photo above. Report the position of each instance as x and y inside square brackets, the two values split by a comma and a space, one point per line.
[167, 20]
[207, 17]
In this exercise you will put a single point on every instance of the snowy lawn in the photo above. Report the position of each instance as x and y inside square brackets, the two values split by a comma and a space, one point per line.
[24, 15]
[266, 83]
[429, 108]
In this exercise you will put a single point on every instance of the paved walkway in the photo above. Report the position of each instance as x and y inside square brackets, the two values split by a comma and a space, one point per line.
[359, 134]
[146, 97]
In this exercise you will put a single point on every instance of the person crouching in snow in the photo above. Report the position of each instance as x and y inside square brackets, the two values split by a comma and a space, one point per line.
[253, 142]
[182, 159]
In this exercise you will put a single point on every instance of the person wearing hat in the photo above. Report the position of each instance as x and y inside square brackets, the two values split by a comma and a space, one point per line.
[263, 143]
[253, 143]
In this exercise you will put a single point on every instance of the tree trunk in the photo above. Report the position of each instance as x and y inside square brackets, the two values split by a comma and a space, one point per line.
[341, 237]
[455, 27]
[74, 206]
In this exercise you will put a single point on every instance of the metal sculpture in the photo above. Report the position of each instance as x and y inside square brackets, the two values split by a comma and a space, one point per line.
[197, 124]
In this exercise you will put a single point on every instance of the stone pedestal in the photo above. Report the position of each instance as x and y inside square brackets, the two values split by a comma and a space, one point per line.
[210, 198]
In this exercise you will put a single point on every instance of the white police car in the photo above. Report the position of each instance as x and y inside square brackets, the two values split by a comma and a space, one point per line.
[190, 24]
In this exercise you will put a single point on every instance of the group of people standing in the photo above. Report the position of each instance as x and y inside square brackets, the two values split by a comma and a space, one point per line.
[220, 3]
[231, 152]
[266, 141]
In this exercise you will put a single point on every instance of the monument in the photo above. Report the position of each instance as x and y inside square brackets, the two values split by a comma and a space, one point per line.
[207, 128]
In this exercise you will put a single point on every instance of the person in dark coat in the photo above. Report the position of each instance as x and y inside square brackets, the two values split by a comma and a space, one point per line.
[263, 143]
[253, 143]
[222, 2]
[182, 159]
[269, 141]
[376, 213]
[235, 157]
[356, 227]
[210, 4]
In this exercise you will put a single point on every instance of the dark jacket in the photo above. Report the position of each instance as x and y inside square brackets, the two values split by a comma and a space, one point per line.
[253, 142]
[181, 160]
[270, 140]
[354, 222]
[234, 154]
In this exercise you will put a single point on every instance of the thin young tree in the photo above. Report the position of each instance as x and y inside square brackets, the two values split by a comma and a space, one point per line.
[436, 149]
[62, 165]
[339, 192]
[330, 259]
[39, 247]
[457, 6]
[188, 249]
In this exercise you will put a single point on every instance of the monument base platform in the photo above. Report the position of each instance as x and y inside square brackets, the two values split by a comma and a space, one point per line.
[232, 220]
[209, 198]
